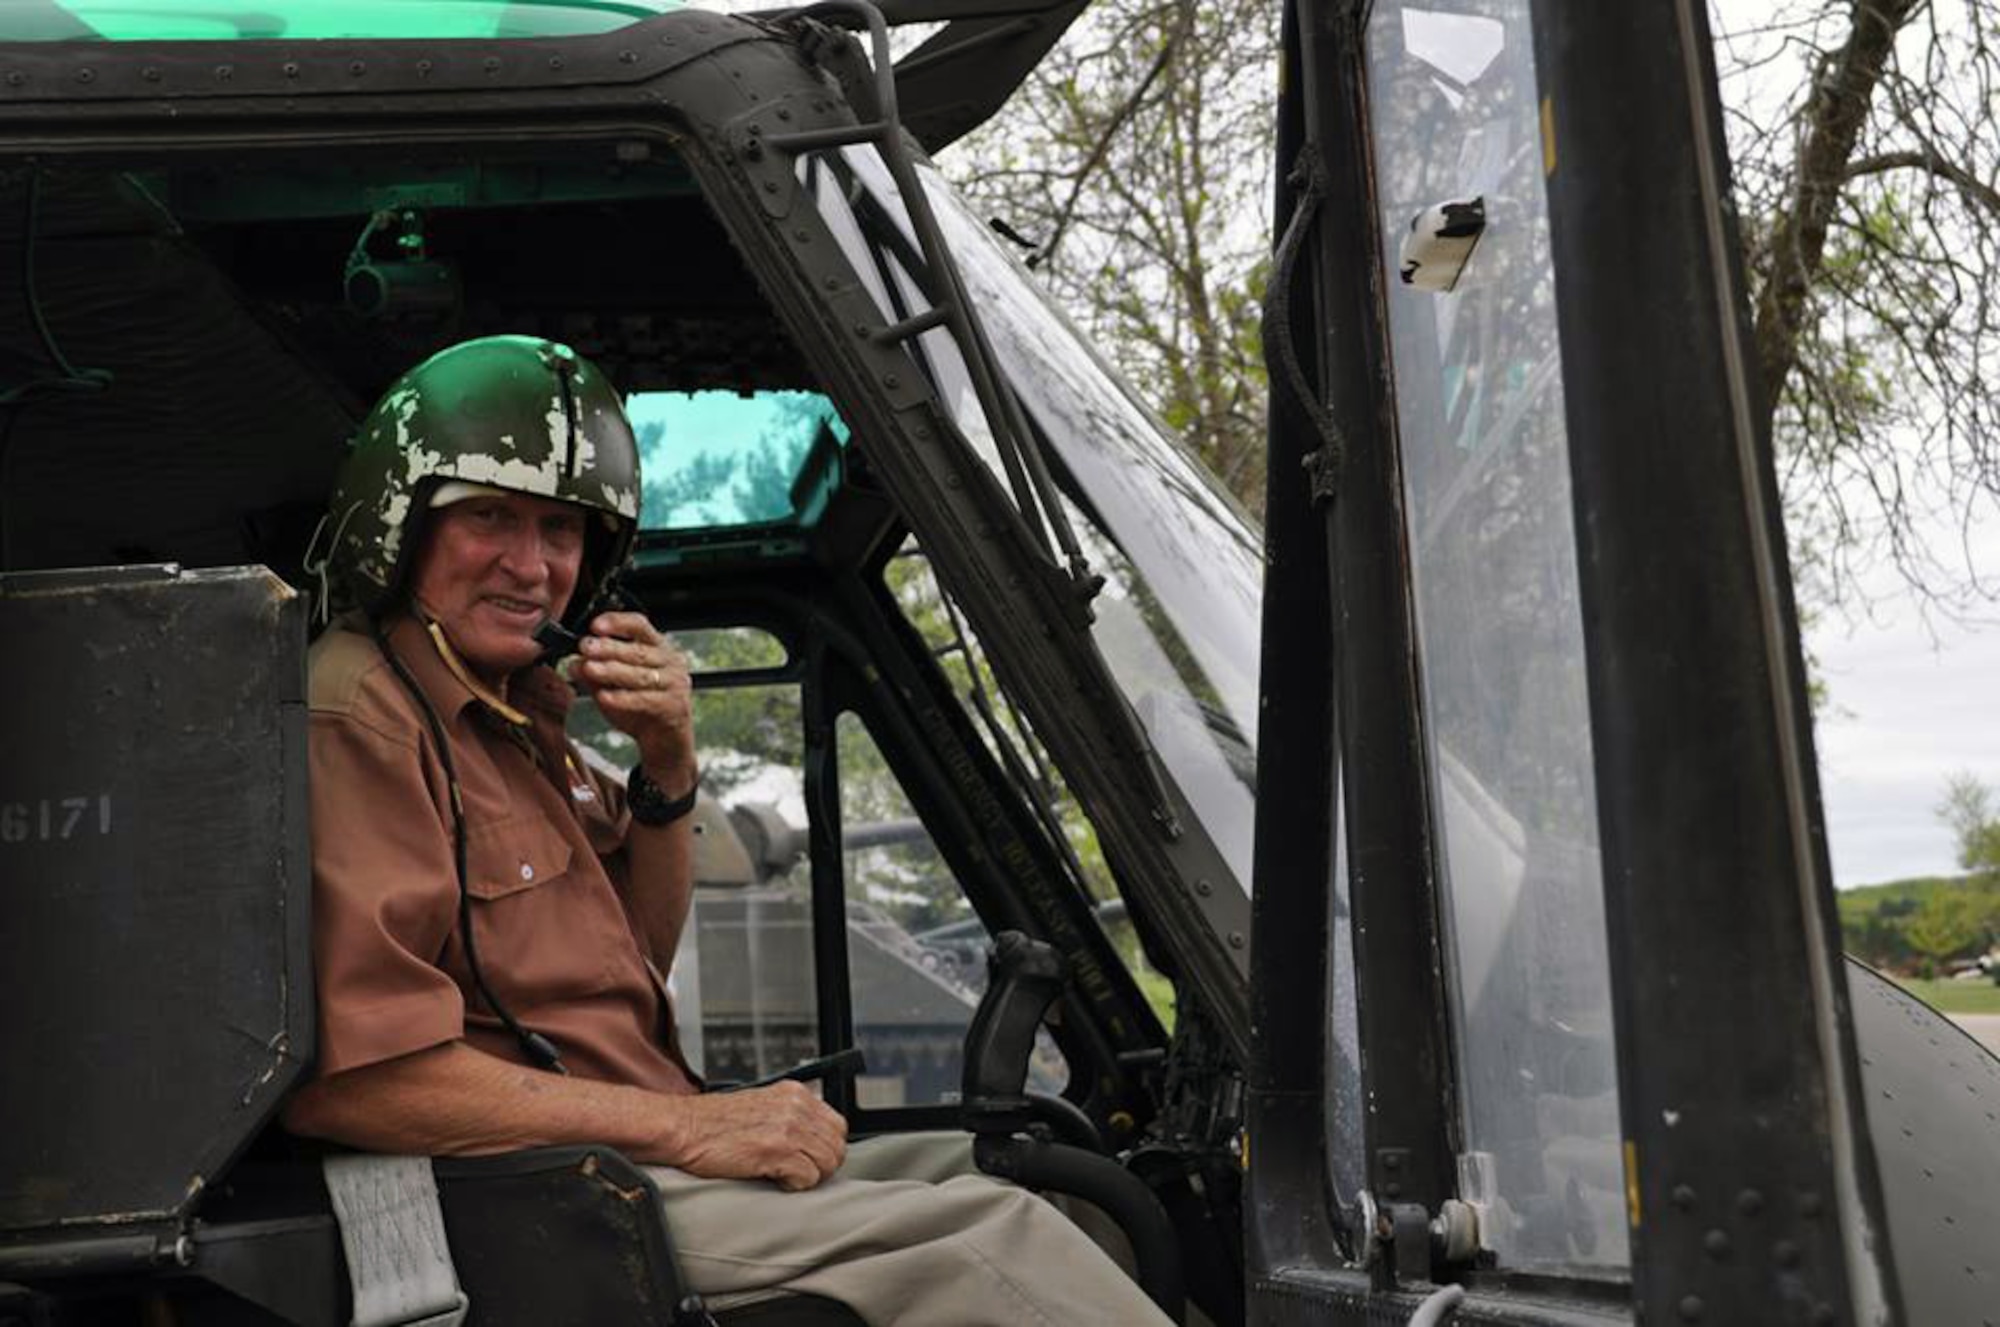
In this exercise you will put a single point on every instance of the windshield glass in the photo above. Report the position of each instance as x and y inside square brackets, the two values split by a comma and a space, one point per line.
[715, 459]
[1485, 456]
[1178, 618]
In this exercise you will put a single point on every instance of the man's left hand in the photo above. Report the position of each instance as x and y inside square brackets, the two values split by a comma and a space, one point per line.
[642, 686]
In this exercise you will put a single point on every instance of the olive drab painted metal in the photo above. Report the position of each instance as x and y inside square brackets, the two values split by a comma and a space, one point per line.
[514, 412]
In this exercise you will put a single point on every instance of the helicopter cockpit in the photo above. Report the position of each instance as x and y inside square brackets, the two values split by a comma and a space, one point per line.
[975, 642]
[1508, 688]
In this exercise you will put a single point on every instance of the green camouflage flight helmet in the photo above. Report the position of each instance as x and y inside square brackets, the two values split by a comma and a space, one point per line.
[510, 412]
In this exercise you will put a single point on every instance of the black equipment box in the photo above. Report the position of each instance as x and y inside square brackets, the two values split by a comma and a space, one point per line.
[155, 886]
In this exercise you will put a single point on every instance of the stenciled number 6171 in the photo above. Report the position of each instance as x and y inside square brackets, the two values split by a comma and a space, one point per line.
[54, 818]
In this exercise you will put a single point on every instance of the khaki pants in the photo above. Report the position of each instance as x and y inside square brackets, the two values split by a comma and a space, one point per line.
[906, 1233]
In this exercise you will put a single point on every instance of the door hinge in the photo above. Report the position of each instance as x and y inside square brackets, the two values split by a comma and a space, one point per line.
[1414, 1245]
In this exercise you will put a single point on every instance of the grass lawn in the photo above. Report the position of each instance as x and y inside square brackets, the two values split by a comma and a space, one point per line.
[1955, 997]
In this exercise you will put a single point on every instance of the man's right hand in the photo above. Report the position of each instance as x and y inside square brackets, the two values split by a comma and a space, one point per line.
[452, 1100]
[782, 1133]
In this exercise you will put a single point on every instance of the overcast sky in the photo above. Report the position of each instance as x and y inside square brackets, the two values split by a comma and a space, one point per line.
[1909, 704]
[1906, 711]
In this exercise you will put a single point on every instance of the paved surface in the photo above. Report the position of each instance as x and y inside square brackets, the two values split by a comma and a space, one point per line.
[1986, 1027]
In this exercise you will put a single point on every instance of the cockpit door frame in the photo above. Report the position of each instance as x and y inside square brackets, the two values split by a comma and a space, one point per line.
[1731, 1001]
[1751, 1182]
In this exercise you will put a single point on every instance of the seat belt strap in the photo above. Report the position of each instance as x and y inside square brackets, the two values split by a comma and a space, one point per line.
[392, 1229]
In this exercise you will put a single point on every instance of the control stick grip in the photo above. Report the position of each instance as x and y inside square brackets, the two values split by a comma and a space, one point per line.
[1023, 978]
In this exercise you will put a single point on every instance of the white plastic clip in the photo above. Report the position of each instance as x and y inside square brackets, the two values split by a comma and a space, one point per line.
[1440, 243]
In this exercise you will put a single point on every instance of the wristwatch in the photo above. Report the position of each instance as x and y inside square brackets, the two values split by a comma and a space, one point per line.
[650, 806]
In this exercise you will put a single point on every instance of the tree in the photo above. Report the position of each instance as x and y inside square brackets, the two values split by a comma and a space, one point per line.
[1950, 924]
[1969, 809]
[1879, 939]
[1865, 166]
[1136, 164]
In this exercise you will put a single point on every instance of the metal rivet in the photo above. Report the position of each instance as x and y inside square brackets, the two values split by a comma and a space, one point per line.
[1750, 1202]
[802, 235]
[425, 66]
[291, 68]
[1716, 1242]
[492, 65]
[1203, 888]
[358, 68]
[1785, 1253]
[15, 78]
[1392, 1161]
[1683, 1197]
[527, 871]
[891, 380]
[784, 113]
[628, 57]
[1236, 939]
[952, 480]
[833, 283]
[1393, 1189]
[555, 62]
[86, 75]
[150, 74]
[770, 186]
[1691, 1308]
[225, 72]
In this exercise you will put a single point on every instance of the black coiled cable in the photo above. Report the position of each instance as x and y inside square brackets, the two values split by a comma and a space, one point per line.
[538, 1048]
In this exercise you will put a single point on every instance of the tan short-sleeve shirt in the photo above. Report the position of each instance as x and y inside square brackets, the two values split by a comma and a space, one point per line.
[544, 836]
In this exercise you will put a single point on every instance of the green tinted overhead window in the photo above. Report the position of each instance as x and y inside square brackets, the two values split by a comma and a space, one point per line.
[190, 20]
[713, 460]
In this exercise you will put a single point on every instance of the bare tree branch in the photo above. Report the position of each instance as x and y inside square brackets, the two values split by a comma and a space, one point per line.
[1141, 149]
[1881, 163]
[1113, 125]
[1868, 186]
[1842, 89]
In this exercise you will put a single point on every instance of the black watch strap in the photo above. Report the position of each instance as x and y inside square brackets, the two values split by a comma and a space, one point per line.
[652, 807]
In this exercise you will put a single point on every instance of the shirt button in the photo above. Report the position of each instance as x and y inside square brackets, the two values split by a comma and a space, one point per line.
[527, 871]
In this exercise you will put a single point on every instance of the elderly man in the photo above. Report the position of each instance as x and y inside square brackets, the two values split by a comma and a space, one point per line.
[493, 920]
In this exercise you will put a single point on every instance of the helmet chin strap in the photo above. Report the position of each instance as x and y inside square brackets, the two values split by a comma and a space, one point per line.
[494, 698]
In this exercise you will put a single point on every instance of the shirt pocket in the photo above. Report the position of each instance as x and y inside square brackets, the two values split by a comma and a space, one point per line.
[549, 926]
[510, 856]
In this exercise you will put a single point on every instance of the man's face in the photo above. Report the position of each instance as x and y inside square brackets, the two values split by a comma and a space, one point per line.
[491, 568]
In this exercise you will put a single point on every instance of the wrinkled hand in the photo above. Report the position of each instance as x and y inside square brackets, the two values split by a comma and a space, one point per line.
[642, 686]
[782, 1133]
